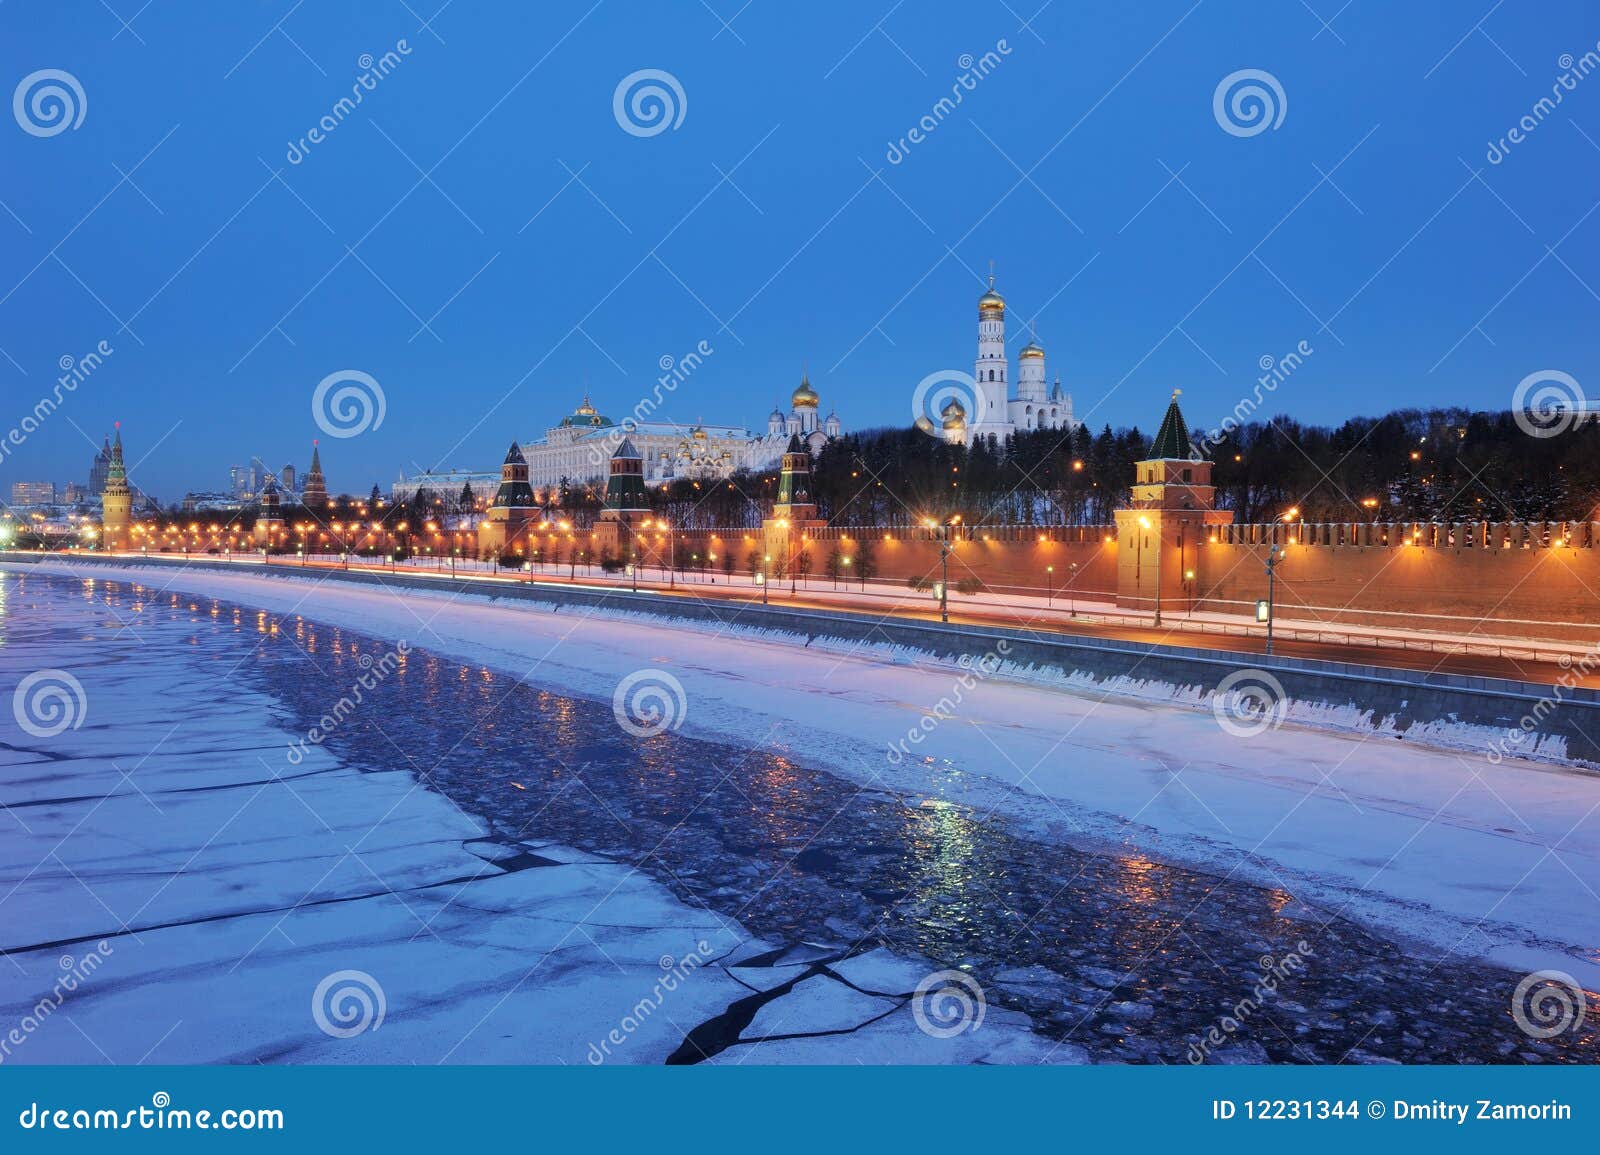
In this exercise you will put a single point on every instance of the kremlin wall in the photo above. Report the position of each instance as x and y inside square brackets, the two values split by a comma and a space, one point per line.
[1170, 548]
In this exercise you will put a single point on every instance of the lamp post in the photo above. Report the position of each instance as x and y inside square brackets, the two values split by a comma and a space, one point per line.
[1274, 556]
[1072, 588]
[1144, 523]
[761, 580]
[1049, 584]
[944, 575]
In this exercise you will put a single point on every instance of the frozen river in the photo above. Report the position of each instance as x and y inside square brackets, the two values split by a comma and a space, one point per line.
[256, 802]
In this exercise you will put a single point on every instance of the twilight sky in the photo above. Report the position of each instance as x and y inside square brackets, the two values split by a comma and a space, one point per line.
[482, 236]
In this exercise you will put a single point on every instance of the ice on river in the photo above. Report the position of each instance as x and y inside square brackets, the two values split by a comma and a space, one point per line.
[175, 889]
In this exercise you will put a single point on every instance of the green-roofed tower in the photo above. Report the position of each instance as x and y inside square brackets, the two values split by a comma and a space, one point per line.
[1172, 439]
[1163, 532]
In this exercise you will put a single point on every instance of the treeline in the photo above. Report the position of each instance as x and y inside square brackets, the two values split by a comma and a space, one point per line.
[1445, 464]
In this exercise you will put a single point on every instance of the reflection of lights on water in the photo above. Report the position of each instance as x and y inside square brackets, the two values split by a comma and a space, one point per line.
[1136, 877]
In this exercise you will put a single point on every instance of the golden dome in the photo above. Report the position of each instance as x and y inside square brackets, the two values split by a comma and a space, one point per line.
[1032, 349]
[699, 434]
[585, 410]
[955, 417]
[992, 300]
[804, 397]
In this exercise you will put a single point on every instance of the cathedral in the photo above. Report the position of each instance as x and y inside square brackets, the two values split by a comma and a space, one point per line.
[1006, 406]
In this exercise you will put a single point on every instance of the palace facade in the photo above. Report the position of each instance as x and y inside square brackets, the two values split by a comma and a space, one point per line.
[580, 448]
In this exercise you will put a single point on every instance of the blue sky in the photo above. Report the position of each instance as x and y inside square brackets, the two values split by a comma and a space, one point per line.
[548, 249]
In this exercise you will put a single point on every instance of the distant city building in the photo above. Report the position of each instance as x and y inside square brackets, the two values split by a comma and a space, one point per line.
[446, 485]
[33, 493]
[98, 469]
[286, 476]
[211, 503]
[74, 494]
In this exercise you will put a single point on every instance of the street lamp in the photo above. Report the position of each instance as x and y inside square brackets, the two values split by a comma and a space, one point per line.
[1144, 523]
[761, 580]
[1274, 556]
[1049, 584]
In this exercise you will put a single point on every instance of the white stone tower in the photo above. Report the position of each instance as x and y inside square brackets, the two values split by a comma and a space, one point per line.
[990, 369]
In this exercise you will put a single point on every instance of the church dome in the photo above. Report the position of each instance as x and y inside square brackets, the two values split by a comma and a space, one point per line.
[955, 417]
[805, 397]
[1032, 350]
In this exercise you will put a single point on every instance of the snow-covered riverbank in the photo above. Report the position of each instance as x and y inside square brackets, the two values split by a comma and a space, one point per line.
[1440, 848]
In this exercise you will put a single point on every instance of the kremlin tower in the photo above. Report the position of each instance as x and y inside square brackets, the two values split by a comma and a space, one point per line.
[116, 509]
[269, 517]
[1171, 509]
[506, 524]
[315, 494]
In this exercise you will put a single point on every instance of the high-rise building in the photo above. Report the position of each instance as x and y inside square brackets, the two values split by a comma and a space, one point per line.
[287, 476]
[97, 468]
[33, 493]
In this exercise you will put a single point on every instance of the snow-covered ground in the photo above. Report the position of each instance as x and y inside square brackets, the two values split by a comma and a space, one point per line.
[1440, 848]
[175, 889]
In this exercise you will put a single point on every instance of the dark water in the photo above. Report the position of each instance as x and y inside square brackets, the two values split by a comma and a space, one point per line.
[1135, 960]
